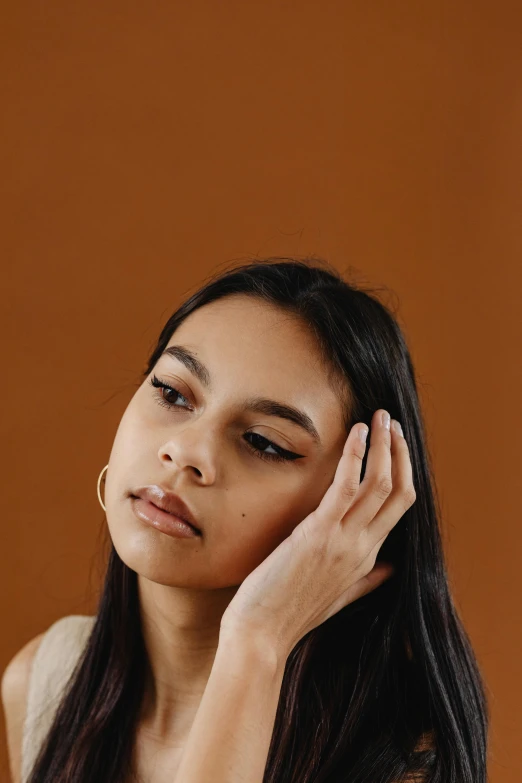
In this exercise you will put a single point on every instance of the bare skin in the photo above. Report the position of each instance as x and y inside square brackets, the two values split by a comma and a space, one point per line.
[202, 448]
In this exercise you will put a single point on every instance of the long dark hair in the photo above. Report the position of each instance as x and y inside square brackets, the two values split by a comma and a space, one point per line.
[363, 690]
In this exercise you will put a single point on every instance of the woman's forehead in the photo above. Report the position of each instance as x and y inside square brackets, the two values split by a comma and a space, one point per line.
[251, 341]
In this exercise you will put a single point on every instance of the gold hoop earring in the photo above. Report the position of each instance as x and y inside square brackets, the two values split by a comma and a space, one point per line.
[99, 480]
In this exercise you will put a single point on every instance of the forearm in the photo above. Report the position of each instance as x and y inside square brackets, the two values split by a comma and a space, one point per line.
[231, 733]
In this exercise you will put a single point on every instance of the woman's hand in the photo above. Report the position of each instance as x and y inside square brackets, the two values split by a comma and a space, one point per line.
[328, 561]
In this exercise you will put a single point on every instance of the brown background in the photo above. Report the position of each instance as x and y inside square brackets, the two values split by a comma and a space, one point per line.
[145, 145]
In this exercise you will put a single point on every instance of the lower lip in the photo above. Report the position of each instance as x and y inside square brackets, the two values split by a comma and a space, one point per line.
[162, 520]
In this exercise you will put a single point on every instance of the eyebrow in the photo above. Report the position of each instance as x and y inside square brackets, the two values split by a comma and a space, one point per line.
[262, 405]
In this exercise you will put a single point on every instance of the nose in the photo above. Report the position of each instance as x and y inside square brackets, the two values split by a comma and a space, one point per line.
[191, 448]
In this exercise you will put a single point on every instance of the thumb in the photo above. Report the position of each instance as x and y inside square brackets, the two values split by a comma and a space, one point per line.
[379, 574]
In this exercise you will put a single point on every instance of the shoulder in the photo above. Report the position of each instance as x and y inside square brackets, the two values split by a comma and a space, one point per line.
[16, 680]
[15, 677]
[14, 690]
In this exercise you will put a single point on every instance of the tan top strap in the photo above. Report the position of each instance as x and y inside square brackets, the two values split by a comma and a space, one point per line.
[52, 666]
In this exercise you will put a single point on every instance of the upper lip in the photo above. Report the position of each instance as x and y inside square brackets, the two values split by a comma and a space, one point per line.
[168, 501]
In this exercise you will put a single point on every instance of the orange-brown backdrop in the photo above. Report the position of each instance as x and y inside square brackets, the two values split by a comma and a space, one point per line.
[145, 144]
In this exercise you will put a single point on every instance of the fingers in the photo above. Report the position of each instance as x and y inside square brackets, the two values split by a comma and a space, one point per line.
[386, 491]
[378, 475]
[341, 493]
[376, 486]
[402, 495]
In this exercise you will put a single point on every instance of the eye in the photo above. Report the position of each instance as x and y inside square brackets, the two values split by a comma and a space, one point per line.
[278, 454]
[159, 396]
[281, 455]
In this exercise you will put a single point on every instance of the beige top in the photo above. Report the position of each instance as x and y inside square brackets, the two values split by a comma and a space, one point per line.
[52, 666]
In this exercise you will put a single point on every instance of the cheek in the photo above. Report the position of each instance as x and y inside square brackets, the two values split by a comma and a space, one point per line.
[261, 525]
[130, 440]
[236, 546]
[131, 445]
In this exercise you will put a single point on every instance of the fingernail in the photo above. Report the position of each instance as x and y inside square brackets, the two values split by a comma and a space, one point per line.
[397, 427]
[363, 433]
[386, 420]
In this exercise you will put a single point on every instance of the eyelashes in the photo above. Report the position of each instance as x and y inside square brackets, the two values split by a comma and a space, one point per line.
[281, 455]
[157, 384]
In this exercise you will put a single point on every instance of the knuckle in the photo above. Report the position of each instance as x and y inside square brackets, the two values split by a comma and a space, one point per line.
[349, 487]
[364, 548]
[370, 561]
[383, 486]
[409, 495]
[359, 552]
[357, 452]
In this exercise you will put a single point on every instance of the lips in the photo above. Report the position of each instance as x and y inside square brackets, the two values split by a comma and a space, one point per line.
[167, 501]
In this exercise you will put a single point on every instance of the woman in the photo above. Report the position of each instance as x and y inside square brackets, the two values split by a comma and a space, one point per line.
[302, 629]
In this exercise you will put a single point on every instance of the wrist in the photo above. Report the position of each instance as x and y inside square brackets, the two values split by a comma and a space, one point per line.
[251, 647]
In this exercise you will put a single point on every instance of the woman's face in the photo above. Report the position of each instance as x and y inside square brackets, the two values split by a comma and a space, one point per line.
[204, 447]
